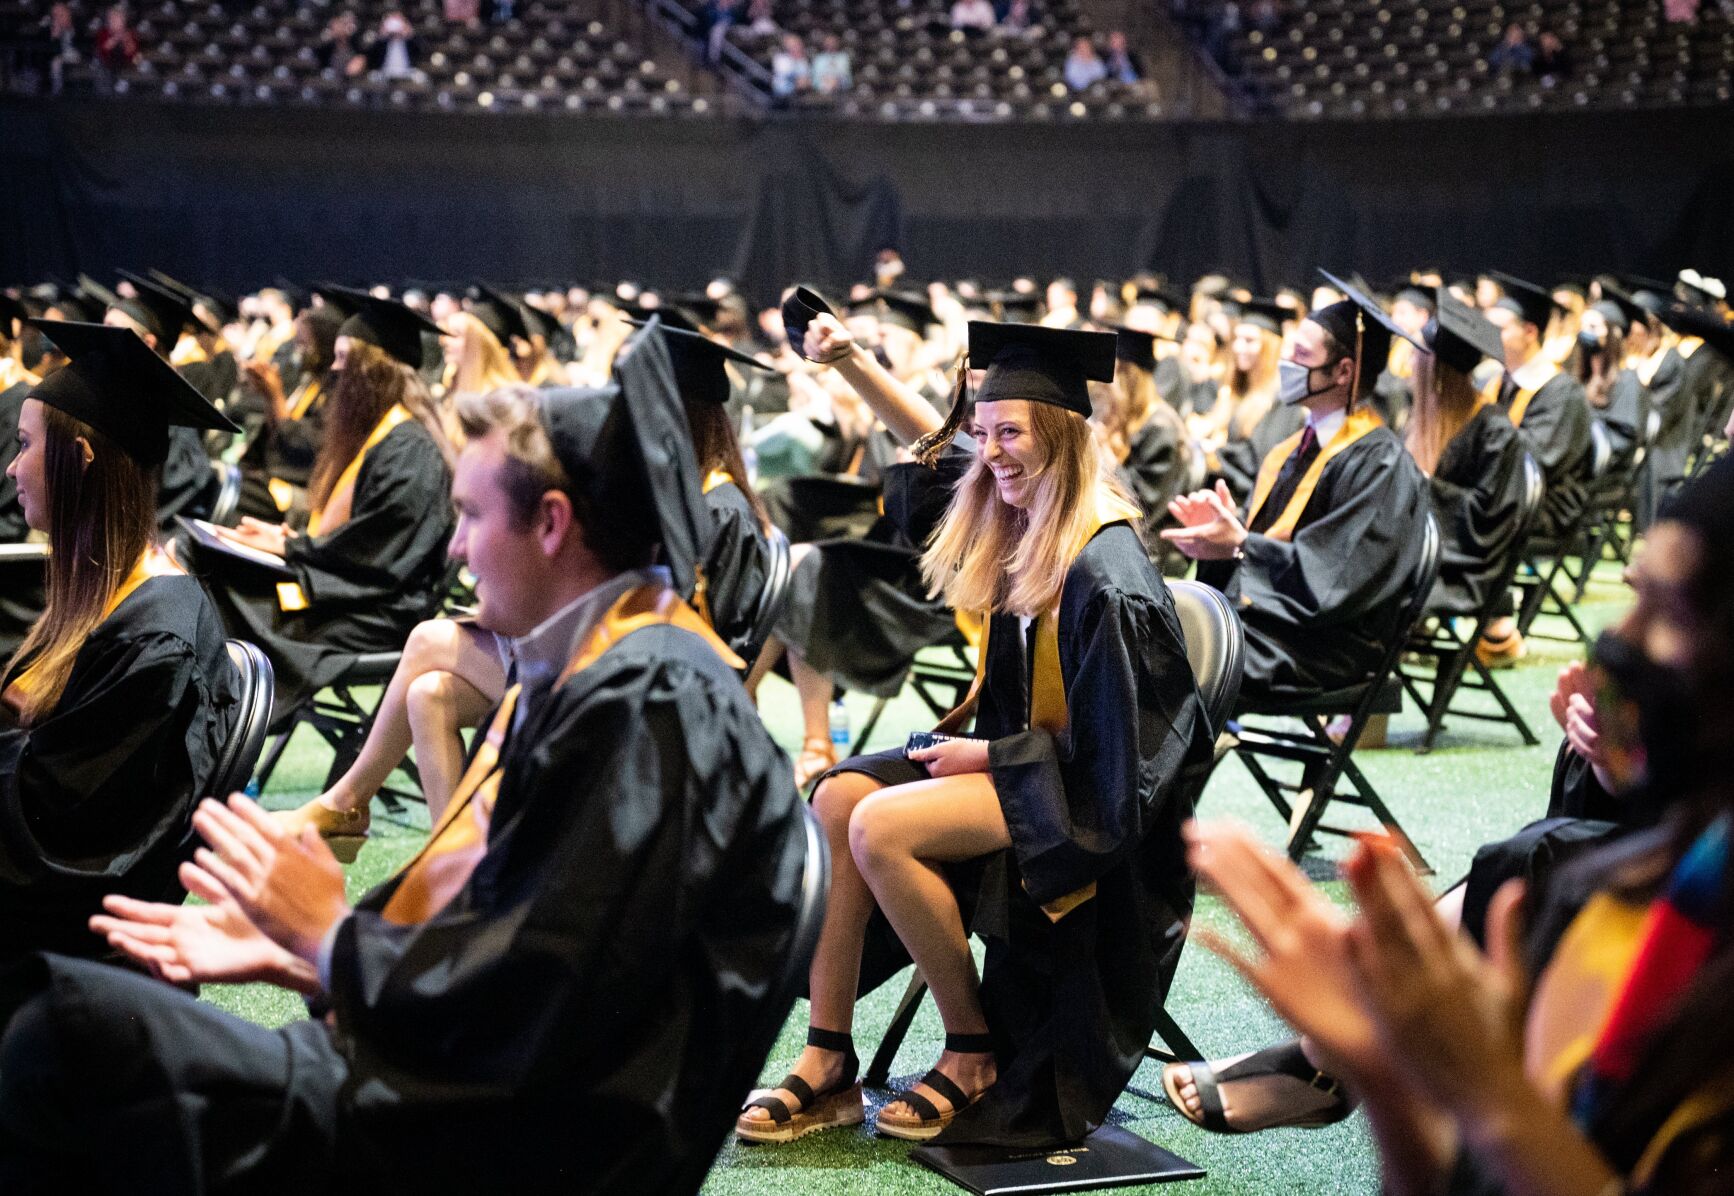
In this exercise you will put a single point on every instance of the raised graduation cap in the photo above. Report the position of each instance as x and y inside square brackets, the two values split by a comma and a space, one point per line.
[904, 309]
[699, 363]
[160, 311]
[627, 449]
[673, 317]
[1043, 365]
[116, 384]
[1460, 336]
[1532, 304]
[385, 324]
[1267, 314]
[499, 313]
[800, 305]
[1136, 347]
[1360, 321]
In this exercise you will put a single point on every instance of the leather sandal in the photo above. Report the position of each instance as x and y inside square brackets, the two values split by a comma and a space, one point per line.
[930, 1119]
[816, 758]
[1285, 1060]
[344, 831]
[839, 1104]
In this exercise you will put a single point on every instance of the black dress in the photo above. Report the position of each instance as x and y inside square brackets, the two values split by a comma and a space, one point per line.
[1320, 608]
[1477, 491]
[1071, 1004]
[583, 1016]
[366, 584]
[737, 566]
[98, 796]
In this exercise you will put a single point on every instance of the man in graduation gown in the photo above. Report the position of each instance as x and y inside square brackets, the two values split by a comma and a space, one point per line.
[567, 990]
[1328, 553]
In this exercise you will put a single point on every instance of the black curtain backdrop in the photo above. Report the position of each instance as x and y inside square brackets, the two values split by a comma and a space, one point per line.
[234, 197]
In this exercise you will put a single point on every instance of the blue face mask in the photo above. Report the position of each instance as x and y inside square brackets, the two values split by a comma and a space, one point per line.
[1294, 383]
[1589, 342]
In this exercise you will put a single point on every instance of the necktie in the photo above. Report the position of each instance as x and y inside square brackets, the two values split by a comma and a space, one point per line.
[1287, 480]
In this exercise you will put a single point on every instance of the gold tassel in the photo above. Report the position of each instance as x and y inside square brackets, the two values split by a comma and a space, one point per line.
[927, 449]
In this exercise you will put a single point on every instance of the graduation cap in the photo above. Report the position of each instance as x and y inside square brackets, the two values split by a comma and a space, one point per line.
[499, 313]
[77, 304]
[698, 363]
[116, 384]
[671, 317]
[1650, 294]
[297, 295]
[1265, 313]
[345, 300]
[1135, 347]
[700, 309]
[1625, 309]
[383, 323]
[220, 309]
[1015, 306]
[1530, 303]
[1460, 336]
[799, 307]
[1166, 298]
[1359, 324]
[1043, 365]
[627, 449]
[157, 309]
[1690, 321]
[1701, 288]
[904, 309]
[1417, 296]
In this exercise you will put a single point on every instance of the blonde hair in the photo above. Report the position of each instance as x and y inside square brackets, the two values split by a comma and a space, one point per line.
[987, 555]
[1445, 401]
[482, 363]
[1123, 406]
[1253, 391]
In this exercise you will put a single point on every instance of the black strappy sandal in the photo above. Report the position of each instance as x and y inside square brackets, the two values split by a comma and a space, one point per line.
[1285, 1060]
[930, 1121]
[838, 1105]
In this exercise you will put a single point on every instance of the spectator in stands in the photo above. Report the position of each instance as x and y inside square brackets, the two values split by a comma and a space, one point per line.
[1122, 64]
[831, 73]
[1680, 12]
[116, 43]
[1513, 53]
[1018, 17]
[972, 14]
[1084, 67]
[337, 50]
[791, 71]
[1552, 59]
[1265, 16]
[394, 52]
[463, 12]
[63, 40]
[761, 22]
[719, 17]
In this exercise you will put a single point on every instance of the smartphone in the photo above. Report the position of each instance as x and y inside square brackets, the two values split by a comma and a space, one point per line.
[926, 739]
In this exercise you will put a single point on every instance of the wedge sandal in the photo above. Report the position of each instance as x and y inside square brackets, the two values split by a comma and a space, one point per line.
[840, 1104]
[930, 1120]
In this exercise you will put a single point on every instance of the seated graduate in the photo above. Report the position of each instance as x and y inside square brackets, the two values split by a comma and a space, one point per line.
[1586, 1052]
[1617, 398]
[1052, 832]
[1412, 308]
[118, 704]
[477, 359]
[574, 972]
[203, 356]
[523, 331]
[453, 671]
[1472, 456]
[1331, 542]
[372, 560]
[1143, 435]
[277, 463]
[1253, 421]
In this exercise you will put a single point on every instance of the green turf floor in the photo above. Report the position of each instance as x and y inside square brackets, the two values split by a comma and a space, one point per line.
[1478, 784]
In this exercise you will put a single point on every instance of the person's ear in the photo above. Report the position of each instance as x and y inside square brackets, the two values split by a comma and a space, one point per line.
[1345, 372]
[555, 522]
[85, 451]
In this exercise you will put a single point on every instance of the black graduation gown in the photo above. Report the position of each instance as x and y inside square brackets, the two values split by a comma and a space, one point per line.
[188, 479]
[1320, 609]
[1556, 431]
[98, 797]
[1624, 417]
[585, 1015]
[214, 377]
[367, 583]
[21, 594]
[1240, 456]
[285, 450]
[1391, 398]
[1071, 1004]
[1170, 381]
[737, 566]
[1477, 491]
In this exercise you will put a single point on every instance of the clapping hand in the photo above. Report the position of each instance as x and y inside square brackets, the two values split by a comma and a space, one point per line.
[290, 887]
[1573, 706]
[1209, 528]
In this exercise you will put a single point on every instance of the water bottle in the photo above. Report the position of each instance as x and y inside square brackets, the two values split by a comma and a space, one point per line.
[252, 789]
[839, 729]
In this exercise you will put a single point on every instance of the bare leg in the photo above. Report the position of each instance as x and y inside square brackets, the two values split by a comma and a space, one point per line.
[773, 652]
[441, 705]
[836, 969]
[815, 690]
[899, 837]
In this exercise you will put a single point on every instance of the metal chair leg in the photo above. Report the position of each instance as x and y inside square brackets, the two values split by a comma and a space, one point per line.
[879, 1070]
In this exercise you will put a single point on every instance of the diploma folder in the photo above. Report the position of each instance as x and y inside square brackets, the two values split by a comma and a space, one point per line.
[1109, 1158]
[205, 536]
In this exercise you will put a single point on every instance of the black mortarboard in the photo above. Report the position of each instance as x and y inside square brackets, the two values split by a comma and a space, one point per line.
[627, 449]
[1691, 321]
[673, 317]
[1360, 320]
[1651, 295]
[383, 323]
[701, 309]
[540, 323]
[1043, 365]
[79, 305]
[95, 292]
[1531, 304]
[219, 309]
[1629, 309]
[1571, 287]
[157, 309]
[500, 314]
[906, 310]
[698, 363]
[116, 384]
[1265, 313]
[800, 305]
[1136, 347]
[1015, 306]
[1614, 313]
[1164, 297]
[1460, 336]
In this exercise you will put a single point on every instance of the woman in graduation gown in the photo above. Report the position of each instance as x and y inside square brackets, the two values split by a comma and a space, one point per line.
[372, 560]
[1255, 422]
[1143, 434]
[1617, 397]
[1055, 833]
[118, 704]
[1471, 454]
[278, 461]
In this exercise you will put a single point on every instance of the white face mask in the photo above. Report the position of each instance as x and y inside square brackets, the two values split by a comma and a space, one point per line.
[1294, 383]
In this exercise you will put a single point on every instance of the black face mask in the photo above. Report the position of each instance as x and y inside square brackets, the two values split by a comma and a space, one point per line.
[1646, 718]
[1589, 342]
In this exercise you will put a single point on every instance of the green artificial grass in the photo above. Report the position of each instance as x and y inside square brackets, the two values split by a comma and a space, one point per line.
[1477, 785]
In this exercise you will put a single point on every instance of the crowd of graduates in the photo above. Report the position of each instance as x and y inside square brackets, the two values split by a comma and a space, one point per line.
[589, 522]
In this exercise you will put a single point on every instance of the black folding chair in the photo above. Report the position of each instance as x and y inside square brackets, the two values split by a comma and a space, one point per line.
[1613, 497]
[940, 674]
[252, 717]
[1543, 566]
[226, 500]
[774, 596]
[1325, 762]
[23, 582]
[1216, 649]
[1452, 656]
